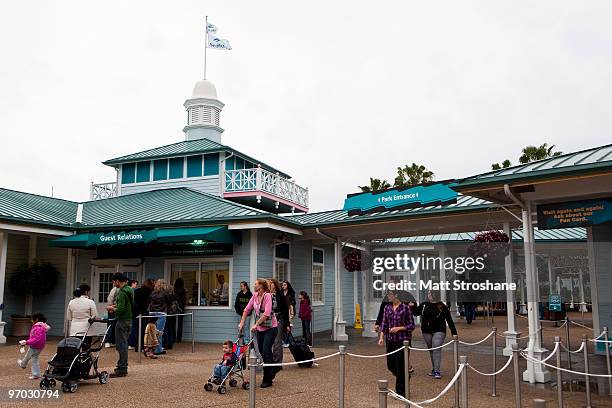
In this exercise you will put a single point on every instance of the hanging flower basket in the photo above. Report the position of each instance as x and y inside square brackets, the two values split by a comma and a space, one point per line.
[491, 245]
[352, 261]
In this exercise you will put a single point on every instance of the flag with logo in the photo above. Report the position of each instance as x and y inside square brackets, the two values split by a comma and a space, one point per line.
[215, 42]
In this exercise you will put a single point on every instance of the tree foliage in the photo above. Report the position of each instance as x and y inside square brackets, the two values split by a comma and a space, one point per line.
[36, 280]
[412, 175]
[375, 185]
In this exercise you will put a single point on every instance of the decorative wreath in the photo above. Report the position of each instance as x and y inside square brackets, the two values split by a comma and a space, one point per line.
[352, 261]
[492, 245]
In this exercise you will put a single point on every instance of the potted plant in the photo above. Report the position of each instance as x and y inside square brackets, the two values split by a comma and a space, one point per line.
[352, 261]
[492, 245]
[30, 280]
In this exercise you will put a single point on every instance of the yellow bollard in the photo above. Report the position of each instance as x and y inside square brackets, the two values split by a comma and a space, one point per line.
[358, 323]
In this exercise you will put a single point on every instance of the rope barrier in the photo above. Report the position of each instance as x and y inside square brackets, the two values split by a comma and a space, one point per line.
[298, 362]
[573, 352]
[581, 325]
[433, 348]
[534, 360]
[478, 342]
[376, 356]
[497, 372]
[434, 399]
[399, 398]
[552, 353]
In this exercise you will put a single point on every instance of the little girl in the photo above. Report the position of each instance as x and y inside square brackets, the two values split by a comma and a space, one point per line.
[151, 340]
[305, 314]
[36, 343]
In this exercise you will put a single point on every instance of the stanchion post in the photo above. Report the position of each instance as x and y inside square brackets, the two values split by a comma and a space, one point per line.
[192, 333]
[464, 383]
[587, 384]
[607, 348]
[407, 369]
[456, 359]
[341, 368]
[517, 378]
[252, 379]
[140, 338]
[539, 403]
[383, 391]
[493, 377]
[559, 377]
[567, 342]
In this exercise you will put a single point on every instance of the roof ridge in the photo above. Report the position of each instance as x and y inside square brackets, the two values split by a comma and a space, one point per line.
[39, 195]
[159, 147]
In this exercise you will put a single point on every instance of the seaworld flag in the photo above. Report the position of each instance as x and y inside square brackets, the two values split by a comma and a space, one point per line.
[211, 28]
[212, 41]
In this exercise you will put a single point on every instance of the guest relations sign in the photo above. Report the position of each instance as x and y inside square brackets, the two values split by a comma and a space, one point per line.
[574, 213]
[399, 198]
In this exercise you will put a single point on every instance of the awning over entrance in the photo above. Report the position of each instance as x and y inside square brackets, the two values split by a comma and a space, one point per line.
[170, 235]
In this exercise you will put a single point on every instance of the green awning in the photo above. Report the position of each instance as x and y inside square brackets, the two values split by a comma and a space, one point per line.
[219, 234]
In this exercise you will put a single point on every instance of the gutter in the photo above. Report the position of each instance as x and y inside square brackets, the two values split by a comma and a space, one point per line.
[511, 196]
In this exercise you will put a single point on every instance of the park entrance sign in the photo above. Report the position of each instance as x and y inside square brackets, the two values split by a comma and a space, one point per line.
[400, 198]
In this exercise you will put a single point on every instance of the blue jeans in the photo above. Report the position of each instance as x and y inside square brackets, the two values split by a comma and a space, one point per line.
[160, 324]
[221, 371]
[32, 354]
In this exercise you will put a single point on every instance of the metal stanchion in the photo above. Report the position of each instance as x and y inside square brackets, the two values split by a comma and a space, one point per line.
[493, 377]
[567, 342]
[607, 348]
[252, 380]
[464, 383]
[517, 378]
[341, 368]
[456, 358]
[559, 376]
[192, 333]
[587, 383]
[383, 391]
[407, 368]
[139, 338]
[539, 403]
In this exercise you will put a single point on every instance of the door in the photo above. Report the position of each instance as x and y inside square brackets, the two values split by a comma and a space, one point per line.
[103, 284]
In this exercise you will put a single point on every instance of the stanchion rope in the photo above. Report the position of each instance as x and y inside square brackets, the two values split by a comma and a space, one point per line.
[434, 399]
[433, 348]
[375, 356]
[298, 362]
[581, 325]
[534, 360]
[497, 372]
[573, 352]
[478, 342]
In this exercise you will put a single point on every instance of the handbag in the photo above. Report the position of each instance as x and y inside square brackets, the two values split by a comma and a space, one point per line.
[260, 311]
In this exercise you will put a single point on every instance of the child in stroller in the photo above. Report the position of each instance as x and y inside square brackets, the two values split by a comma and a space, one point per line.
[232, 365]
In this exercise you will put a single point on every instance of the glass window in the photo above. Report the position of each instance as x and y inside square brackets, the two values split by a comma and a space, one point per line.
[207, 284]
[318, 276]
[194, 166]
[128, 173]
[230, 163]
[239, 163]
[281, 270]
[176, 168]
[189, 273]
[143, 171]
[211, 164]
[160, 169]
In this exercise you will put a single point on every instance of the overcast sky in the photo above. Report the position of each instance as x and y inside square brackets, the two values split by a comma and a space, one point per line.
[331, 92]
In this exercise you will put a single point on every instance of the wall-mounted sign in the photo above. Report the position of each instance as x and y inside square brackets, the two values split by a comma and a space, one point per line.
[574, 213]
[123, 237]
[554, 303]
[165, 250]
[400, 198]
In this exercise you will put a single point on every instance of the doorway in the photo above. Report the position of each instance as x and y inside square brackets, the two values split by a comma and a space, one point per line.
[102, 273]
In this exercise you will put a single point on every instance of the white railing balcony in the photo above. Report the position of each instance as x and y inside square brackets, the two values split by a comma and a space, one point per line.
[101, 191]
[261, 182]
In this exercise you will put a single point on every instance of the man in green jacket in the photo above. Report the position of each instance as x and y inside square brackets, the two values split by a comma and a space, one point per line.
[124, 304]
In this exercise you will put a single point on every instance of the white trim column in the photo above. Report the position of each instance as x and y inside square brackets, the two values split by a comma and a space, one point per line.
[593, 282]
[253, 256]
[582, 307]
[3, 254]
[510, 333]
[339, 329]
[32, 245]
[70, 281]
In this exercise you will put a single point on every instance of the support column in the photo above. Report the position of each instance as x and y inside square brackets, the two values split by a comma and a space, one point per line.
[3, 254]
[522, 288]
[442, 255]
[535, 372]
[511, 334]
[550, 275]
[339, 332]
[583, 307]
[29, 300]
[70, 281]
[253, 256]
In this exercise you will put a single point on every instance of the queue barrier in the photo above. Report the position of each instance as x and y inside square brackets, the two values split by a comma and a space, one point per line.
[140, 317]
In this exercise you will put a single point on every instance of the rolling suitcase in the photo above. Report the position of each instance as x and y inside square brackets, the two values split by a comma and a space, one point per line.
[300, 350]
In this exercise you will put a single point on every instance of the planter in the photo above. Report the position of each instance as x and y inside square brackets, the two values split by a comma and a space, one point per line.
[20, 326]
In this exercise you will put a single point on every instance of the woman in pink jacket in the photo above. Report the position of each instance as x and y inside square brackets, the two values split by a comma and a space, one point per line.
[36, 342]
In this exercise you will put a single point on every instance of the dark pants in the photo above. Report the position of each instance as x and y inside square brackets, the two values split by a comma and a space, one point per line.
[265, 340]
[110, 337]
[133, 340]
[395, 364]
[179, 329]
[170, 332]
[306, 333]
[122, 333]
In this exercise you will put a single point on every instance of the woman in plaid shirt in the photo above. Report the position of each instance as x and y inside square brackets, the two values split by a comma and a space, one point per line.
[396, 326]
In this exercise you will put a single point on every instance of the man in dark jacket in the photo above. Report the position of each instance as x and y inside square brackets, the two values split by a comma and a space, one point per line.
[123, 310]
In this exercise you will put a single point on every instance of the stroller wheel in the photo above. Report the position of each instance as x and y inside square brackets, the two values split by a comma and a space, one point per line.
[233, 382]
[246, 385]
[65, 387]
[222, 390]
[103, 377]
[72, 387]
[208, 387]
[52, 383]
[44, 384]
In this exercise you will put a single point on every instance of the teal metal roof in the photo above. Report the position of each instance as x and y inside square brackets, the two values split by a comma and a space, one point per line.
[186, 147]
[464, 203]
[566, 164]
[566, 234]
[32, 208]
[167, 206]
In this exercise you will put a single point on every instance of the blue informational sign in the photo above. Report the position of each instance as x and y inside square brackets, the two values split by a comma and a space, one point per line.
[399, 198]
[554, 303]
[575, 213]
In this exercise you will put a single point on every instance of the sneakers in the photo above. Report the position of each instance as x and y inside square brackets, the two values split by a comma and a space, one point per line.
[130, 348]
[437, 375]
[34, 377]
[431, 373]
[19, 363]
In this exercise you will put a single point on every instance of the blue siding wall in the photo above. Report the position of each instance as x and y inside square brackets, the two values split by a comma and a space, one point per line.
[301, 277]
[16, 255]
[265, 253]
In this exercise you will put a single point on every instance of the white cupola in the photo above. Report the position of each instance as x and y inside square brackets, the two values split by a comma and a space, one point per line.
[203, 112]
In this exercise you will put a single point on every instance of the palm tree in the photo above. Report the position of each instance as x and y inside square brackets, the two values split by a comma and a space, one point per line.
[412, 175]
[505, 164]
[534, 153]
[375, 185]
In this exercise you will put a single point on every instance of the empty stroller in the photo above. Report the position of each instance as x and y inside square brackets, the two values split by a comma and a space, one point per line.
[76, 359]
[240, 351]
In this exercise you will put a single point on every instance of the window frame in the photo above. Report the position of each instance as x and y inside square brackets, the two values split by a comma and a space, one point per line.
[168, 272]
[312, 283]
[287, 260]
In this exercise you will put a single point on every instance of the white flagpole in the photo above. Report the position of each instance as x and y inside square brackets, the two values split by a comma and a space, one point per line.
[205, 43]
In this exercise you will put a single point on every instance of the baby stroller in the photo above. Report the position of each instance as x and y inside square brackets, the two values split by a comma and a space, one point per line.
[241, 351]
[74, 360]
